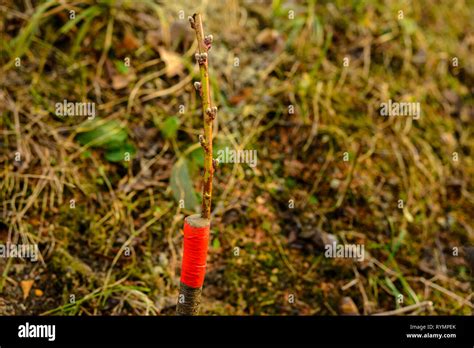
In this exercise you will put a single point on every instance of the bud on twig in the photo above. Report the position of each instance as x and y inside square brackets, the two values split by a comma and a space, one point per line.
[191, 21]
[201, 58]
[202, 141]
[208, 41]
[211, 112]
[215, 163]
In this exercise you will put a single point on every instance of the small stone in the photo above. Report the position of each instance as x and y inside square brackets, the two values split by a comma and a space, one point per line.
[348, 307]
[335, 183]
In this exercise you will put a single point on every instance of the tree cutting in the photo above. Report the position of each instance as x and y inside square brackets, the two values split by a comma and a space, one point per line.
[196, 227]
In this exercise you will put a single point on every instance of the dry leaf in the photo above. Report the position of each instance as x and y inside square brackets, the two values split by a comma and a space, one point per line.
[38, 292]
[26, 287]
[121, 81]
[130, 42]
[174, 65]
[243, 95]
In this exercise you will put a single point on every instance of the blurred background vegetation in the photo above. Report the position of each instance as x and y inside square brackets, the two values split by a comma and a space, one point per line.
[329, 166]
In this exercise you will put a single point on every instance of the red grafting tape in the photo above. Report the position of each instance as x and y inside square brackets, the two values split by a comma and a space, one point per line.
[196, 240]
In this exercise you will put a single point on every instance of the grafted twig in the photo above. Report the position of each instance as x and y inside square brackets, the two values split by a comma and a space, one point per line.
[196, 231]
[209, 111]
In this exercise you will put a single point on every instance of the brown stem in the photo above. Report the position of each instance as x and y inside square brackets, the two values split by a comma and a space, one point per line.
[189, 300]
[208, 112]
